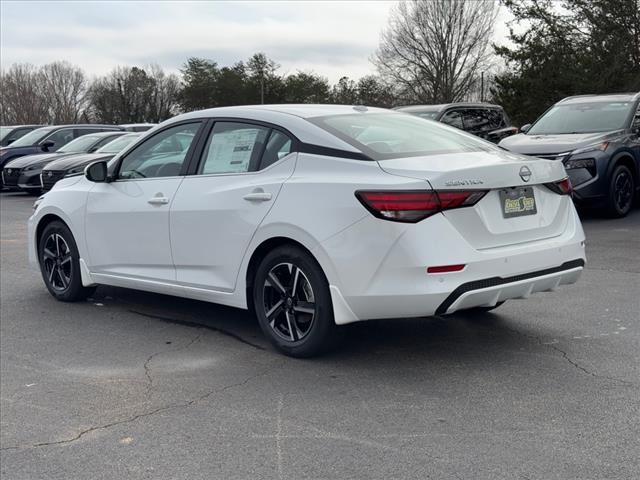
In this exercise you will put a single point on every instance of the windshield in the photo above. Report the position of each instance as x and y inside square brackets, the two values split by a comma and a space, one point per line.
[32, 138]
[80, 144]
[118, 144]
[393, 135]
[583, 118]
[4, 131]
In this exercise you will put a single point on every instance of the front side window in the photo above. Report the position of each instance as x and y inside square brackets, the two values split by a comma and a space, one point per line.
[60, 138]
[394, 135]
[233, 148]
[590, 117]
[162, 155]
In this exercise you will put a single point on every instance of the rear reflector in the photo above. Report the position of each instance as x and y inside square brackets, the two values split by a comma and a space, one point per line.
[446, 268]
[562, 187]
[415, 205]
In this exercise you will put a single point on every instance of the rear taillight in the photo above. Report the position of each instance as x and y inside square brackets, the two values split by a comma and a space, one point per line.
[562, 187]
[413, 206]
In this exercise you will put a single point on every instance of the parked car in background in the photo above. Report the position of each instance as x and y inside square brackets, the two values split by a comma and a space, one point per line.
[387, 215]
[75, 164]
[484, 120]
[597, 138]
[48, 139]
[138, 127]
[24, 173]
[9, 134]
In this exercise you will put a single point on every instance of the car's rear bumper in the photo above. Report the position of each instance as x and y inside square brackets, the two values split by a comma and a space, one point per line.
[490, 291]
[386, 276]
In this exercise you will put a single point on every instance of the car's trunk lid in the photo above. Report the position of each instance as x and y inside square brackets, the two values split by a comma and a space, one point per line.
[484, 225]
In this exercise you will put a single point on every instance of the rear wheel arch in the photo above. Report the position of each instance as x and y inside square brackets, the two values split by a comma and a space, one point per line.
[259, 254]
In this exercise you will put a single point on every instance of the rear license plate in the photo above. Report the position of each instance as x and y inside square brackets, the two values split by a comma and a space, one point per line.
[517, 202]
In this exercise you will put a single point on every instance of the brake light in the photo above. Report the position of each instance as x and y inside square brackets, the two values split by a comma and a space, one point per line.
[561, 187]
[412, 206]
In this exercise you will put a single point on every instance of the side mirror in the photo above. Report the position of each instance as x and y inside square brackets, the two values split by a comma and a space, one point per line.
[47, 144]
[96, 171]
[525, 128]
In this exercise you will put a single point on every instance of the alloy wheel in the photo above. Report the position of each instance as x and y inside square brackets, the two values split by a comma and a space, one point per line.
[57, 262]
[289, 302]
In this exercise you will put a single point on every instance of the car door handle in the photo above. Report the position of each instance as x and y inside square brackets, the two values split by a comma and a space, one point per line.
[157, 200]
[258, 196]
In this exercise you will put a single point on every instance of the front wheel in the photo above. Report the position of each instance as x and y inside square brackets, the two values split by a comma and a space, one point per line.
[621, 192]
[60, 263]
[293, 304]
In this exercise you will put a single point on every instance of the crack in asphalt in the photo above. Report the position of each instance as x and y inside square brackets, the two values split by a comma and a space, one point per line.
[140, 415]
[147, 363]
[188, 323]
[568, 359]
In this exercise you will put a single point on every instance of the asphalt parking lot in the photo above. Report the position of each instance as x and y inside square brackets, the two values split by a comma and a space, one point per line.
[137, 385]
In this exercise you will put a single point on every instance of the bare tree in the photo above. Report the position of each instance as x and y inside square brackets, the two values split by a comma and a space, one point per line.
[21, 101]
[433, 50]
[164, 97]
[64, 88]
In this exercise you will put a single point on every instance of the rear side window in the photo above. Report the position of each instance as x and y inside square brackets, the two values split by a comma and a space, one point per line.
[278, 146]
[482, 120]
[233, 147]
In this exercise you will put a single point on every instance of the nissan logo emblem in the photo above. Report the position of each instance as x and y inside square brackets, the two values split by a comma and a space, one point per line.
[49, 174]
[525, 174]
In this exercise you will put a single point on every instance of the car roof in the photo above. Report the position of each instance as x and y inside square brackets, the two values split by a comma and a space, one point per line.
[299, 110]
[292, 117]
[23, 126]
[444, 106]
[105, 134]
[607, 97]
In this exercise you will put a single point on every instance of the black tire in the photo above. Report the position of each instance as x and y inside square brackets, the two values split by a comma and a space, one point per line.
[298, 323]
[59, 263]
[621, 194]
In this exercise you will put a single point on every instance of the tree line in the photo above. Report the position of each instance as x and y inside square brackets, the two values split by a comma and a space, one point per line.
[432, 51]
[59, 92]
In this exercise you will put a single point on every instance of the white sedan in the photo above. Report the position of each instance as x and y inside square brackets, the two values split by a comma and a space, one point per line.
[313, 215]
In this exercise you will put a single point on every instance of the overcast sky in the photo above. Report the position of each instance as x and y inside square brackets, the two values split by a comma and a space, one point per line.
[331, 38]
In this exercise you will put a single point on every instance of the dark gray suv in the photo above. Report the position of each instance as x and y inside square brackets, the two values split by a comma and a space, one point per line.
[597, 137]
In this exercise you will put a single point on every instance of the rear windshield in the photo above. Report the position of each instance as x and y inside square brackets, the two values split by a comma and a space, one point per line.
[428, 114]
[32, 138]
[393, 135]
[590, 117]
